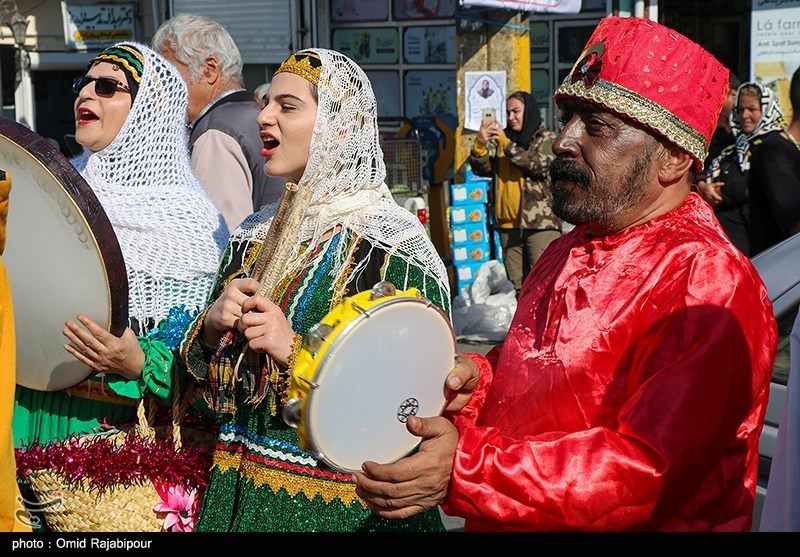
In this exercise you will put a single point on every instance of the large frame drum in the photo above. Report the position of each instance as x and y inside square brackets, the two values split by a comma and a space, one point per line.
[62, 257]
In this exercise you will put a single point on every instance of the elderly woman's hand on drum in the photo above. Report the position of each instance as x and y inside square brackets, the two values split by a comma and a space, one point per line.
[102, 351]
[419, 482]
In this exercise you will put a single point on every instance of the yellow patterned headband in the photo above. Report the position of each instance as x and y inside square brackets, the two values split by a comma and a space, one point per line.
[130, 60]
[305, 63]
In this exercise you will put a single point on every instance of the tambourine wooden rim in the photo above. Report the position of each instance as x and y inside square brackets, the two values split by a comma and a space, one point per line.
[89, 216]
[370, 429]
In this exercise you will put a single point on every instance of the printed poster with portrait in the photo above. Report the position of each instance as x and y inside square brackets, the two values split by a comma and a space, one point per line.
[484, 90]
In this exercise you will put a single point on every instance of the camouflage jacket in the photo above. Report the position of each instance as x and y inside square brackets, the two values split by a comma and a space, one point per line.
[526, 171]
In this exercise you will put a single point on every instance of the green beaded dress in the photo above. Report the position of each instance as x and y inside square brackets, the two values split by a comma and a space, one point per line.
[260, 479]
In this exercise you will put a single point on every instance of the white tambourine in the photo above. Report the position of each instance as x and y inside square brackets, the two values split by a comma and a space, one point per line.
[373, 361]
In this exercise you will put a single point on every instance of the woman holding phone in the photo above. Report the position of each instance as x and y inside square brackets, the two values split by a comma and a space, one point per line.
[518, 158]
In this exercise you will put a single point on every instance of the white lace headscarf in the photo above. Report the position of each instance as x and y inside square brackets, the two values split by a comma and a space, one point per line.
[170, 233]
[346, 172]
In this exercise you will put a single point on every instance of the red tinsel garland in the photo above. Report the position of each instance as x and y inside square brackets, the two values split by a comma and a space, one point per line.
[105, 463]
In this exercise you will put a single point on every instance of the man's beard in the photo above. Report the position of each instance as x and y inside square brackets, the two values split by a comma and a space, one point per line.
[598, 204]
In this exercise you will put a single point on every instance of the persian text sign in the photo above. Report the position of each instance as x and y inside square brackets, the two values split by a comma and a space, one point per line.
[96, 26]
[538, 6]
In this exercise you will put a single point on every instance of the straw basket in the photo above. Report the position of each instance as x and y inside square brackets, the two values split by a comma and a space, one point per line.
[70, 506]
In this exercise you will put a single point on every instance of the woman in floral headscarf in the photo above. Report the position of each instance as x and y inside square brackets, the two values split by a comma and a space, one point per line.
[319, 129]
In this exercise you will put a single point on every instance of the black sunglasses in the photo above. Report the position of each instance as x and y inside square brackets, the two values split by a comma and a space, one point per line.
[103, 86]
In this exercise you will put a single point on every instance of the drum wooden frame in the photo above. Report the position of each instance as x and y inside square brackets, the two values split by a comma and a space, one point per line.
[62, 257]
[377, 358]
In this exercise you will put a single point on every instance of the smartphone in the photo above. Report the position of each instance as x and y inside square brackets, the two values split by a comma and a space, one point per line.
[489, 114]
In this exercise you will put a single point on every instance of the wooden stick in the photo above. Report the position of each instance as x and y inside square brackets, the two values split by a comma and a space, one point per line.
[289, 229]
[277, 248]
[271, 241]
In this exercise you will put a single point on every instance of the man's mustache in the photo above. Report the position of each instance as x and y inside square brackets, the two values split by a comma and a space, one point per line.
[562, 170]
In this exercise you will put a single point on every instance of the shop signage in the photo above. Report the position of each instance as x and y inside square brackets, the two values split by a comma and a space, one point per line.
[538, 6]
[96, 26]
[775, 46]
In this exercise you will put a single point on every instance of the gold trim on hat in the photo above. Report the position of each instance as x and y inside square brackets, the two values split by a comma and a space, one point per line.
[626, 102]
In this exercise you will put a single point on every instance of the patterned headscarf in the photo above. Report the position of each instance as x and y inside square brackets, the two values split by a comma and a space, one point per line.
[346, 173]
[169, 230]
[771, 120]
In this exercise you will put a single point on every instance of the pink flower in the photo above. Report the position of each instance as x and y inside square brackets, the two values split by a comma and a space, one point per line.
[180, 505]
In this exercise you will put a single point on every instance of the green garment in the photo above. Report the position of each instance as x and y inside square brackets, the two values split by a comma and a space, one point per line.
[43, 416]
[261, 480]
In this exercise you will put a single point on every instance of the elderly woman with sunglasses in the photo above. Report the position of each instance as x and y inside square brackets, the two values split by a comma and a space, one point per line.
[130, 119]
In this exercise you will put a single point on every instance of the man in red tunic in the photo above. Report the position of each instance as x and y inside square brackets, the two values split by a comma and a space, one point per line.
[631, 389]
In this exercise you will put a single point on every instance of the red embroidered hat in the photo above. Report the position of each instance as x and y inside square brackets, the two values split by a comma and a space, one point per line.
[642, 70]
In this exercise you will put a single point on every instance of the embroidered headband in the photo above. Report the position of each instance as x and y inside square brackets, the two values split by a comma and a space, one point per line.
[304, 63]
[126, 58]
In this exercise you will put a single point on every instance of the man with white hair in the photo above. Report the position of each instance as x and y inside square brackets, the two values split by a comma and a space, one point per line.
[260, 92]
[224, 137]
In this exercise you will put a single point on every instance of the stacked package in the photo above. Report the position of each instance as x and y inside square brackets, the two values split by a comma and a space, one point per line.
[471, 236]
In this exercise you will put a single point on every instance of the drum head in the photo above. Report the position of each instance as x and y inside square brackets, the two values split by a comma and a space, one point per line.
[62, 258]
[381, 369]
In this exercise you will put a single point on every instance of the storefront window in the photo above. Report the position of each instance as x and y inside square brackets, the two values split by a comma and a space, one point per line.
[359, 10]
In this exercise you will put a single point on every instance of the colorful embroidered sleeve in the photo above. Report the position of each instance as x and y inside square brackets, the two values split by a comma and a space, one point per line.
[155, 378]
[405, 276]
[195, 357]
[159, 347]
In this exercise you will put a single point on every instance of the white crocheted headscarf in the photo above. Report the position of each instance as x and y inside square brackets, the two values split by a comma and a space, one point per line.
[169, 230]
[346, 172]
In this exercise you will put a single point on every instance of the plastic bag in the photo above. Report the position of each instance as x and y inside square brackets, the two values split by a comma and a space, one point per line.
[485, 312]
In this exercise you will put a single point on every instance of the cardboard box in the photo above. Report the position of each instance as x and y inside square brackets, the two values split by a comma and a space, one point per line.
[498, 248]
[471, 212]
[470, 192]
[472, 252]
[470, 176]
[475, 232]
[465, 274]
